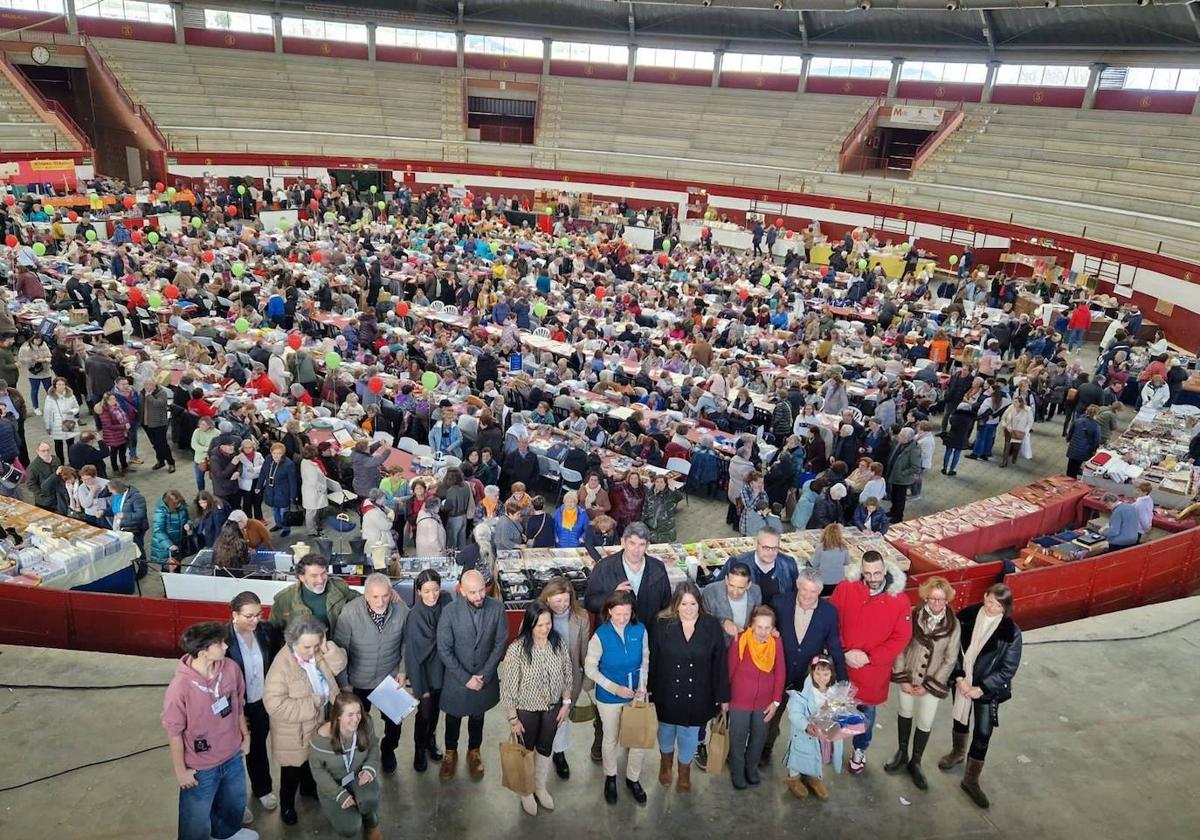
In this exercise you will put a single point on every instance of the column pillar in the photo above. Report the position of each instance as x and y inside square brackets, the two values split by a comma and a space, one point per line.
[629, 69]
[461, 49]
[718, 63]
[277, 30]
[72, 21]
[1093, 85]
[894, 79]
[805, 62]
[546, 47]
[371, 27]
[177, 17]
[989, 82]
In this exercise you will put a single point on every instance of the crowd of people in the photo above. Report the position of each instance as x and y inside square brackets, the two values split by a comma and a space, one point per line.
[755, 645]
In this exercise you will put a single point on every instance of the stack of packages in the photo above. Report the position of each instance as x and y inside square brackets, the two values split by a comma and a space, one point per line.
[52, 547]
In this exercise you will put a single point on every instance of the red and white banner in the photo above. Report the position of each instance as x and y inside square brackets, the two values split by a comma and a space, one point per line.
[60, 173]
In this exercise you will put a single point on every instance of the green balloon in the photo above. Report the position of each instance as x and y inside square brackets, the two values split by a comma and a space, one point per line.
[391, 220]
[170, 192]
[564, 242]
[197, 222]
[905, 247]
[382, 205]
[954, 259]
[91, 236]
[238, 268]
[39, 249]
[332, 360]
[241, 189]
[154, 299]
[153, 237]
[765, 281]
[539, 309]
[374, 189]
[666, 244]
[429, 380]
[330, 215]
[241, 325]
[284, 224]
[862, 263]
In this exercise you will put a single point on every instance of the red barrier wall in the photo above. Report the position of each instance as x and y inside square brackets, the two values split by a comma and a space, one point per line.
[584, 70]
[1055, 97]
[11, 19]
[944, 91]
[849, 87]
[1159, 102]
[672, 76]
[110, 28]
[326, 49]
[760, 81]
[411, 55]
[507, 63]
[229, 40]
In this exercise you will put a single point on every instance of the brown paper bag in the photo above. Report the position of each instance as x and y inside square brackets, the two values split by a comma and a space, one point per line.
[718, 745]
[639, 726]
[516, 766]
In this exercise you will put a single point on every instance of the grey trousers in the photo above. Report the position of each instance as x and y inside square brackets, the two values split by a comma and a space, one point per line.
[747, 736]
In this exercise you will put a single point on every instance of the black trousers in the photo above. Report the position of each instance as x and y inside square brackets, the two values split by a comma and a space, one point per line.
[60, 449]
[981, 717]
[1074, 467]
[474, 731]
[425, 724]
[162, 449]
[258, 762]
[292, 779]
[540, 729]
[251, 503]
[899, 497]
[391, 731]
[118, 454]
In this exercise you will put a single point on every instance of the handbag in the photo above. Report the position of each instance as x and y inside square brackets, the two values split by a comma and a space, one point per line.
[69, 425]
[718, 745]
[639, 725]
[516, 766]
[1016, 435]
[582, 712]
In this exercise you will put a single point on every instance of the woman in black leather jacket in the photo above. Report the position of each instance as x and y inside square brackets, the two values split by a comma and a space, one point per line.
[988, 658]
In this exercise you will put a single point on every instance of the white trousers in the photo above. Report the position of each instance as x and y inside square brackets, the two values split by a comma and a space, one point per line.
[610, 722]
[922, 709]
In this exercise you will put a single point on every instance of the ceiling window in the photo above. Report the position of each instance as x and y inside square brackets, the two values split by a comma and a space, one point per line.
[324, 30]
[137, 10]
[422, 39]
[754, 63]
[490, 45]
[589, 53]
[237, 21]
[856, 68]
[936, 71]
[1043, 75]
[1162, 78]
[54, 6]
[680, 59]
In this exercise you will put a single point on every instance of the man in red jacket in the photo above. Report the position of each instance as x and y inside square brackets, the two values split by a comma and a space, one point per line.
[875, 623]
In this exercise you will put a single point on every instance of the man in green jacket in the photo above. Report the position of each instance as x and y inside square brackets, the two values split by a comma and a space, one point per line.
[315, 594]
[903, 467]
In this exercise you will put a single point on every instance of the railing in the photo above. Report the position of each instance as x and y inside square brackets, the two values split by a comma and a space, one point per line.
[951, 120]
[40, 100]
[865, 123]
[137, 110]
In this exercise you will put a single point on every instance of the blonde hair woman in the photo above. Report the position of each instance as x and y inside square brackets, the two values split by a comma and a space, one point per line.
[831, 558]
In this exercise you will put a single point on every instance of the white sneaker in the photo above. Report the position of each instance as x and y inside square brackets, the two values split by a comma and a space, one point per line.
[270, 802]
[247, 816]
[38, 412]
[243, 834]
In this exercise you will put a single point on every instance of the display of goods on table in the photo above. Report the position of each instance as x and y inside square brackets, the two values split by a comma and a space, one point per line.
[981, 514]
[41, 548]
[931, 557]
[1155, 449]
[1046, 490]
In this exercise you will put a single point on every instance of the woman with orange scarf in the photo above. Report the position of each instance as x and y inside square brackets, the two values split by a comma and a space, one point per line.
[756, 676]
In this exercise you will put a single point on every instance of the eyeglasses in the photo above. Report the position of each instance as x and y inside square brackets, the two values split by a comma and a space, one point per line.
[254, 617]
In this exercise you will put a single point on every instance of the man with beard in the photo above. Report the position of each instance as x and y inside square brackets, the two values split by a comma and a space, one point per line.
[315, 594]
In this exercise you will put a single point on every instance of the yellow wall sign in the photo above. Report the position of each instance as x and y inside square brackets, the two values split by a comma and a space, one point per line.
[51, 165]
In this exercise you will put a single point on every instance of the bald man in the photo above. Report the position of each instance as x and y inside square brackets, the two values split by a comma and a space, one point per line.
[471, 637]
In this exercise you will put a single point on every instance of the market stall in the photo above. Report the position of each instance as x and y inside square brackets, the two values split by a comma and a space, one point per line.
[1153, 449]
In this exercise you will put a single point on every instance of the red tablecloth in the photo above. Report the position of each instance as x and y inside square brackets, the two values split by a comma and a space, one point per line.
[1017, 532]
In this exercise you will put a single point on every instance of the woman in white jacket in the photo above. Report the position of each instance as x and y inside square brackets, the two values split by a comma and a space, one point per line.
[377, 518]
[314, 489]
[249, 465]
[1017, 423]
[61, 417]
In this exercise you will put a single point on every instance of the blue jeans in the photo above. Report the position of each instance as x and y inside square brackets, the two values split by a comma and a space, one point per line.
[687, 737]
[280, 514]
[199, 476]
[133, 430]
[985, 438]
[1075, 338]
[861, 742]
[213, 808]
[950, 459]
[34, 384]
[456, 531]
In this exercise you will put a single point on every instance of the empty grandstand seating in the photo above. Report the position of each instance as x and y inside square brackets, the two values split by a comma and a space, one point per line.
[209, 99]
[22, 130]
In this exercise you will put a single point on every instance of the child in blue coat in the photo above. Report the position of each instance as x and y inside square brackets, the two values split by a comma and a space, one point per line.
[806, 753]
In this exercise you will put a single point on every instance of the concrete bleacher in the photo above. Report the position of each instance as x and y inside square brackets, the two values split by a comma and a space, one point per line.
[22, 130]
[210, 99]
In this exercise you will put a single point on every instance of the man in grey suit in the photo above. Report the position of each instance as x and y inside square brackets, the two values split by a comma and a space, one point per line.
[371, 631]
[732, 599]
[472, 637]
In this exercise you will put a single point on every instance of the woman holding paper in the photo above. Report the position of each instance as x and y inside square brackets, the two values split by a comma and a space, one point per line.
[535, 687]
[618, 661]
[296, 694]
[344, 757]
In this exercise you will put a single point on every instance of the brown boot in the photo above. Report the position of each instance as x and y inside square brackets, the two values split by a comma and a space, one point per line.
[373, 833]
[449, 765]
[970, 783]
[796, 786]
[475, 764]
[958, 752]
[818, 787]
[684, 785]
[665, 760]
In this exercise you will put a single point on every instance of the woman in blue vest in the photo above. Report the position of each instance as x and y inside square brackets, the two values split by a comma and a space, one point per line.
[618, 659]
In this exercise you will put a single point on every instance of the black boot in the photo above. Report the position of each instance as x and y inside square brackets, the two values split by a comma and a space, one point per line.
[639, 793]
[900, 759]
[914, 765]
[701, 759]
[432, 748]
[560, 765]
[610, 789]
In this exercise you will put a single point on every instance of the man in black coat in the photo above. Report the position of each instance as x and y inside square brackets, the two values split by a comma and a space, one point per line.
[956, 389]
[487, 369]
[519, 465]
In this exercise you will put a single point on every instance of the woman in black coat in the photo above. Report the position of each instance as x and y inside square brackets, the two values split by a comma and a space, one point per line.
[988, 658]
[689, 678]
[957, 437]
[423, 665]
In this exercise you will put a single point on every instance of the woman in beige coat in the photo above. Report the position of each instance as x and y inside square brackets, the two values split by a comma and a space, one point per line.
[298, 688]
[575, 627]
[923, 671]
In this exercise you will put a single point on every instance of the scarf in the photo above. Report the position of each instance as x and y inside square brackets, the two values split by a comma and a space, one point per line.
[763, 653]
[320, 465]
[378, 618]
[569, 516]
[985, 626]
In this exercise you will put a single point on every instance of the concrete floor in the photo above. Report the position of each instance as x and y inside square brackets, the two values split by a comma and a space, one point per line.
[1098, 741]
